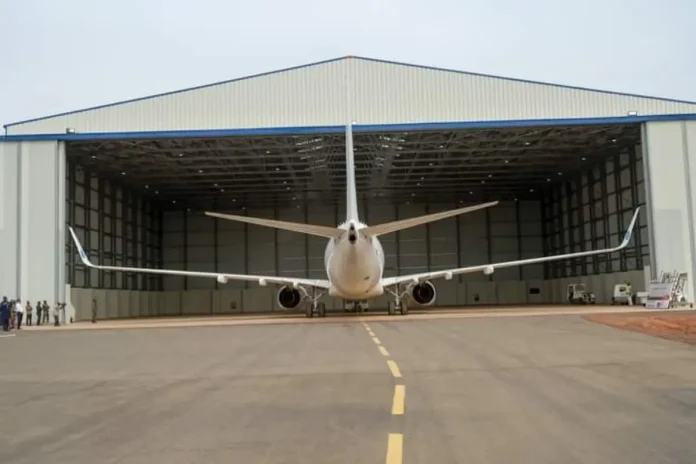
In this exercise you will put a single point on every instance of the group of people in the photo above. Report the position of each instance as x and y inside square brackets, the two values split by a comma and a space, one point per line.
[12, 313]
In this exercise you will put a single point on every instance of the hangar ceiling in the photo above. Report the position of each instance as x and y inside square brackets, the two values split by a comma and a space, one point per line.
[459, 165]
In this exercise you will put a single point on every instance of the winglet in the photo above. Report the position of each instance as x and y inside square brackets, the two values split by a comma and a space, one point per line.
[629, 231]
[80, 250]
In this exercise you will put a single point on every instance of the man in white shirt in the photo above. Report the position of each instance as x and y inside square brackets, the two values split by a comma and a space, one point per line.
[19, 309]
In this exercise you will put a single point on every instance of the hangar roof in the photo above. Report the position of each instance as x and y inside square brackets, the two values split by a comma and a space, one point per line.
[330, 93]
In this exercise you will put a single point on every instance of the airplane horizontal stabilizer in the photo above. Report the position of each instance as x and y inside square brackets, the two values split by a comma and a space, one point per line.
[388, 227]
[309, 229]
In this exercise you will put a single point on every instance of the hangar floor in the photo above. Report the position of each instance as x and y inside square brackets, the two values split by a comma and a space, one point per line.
[503, 389]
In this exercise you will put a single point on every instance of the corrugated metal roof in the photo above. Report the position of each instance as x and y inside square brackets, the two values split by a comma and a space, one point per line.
[377, 92]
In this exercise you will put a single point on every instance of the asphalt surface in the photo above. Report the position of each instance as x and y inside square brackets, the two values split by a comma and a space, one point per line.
[542, 389]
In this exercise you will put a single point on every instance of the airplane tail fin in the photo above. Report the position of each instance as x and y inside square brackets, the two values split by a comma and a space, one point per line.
[309, 229]
[388, 227]
[351, 190]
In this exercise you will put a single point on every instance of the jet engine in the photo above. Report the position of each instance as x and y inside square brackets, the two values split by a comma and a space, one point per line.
[290, 298]
[422, 293]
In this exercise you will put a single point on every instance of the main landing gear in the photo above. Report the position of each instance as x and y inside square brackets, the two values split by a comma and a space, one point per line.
[315, 308]
[399, 306]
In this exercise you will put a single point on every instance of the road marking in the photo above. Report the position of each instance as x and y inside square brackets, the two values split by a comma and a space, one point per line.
[394, 368]
[395, 448]
[399, 397]
[370, 332]
[376, 340]
[7, 335]
[383, 350]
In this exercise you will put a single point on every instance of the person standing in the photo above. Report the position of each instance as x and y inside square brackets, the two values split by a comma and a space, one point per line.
[19, 309]
[94, 310]
[46, 310]
[5, 314]
[39, 312]
[28, 309]
[56, 315]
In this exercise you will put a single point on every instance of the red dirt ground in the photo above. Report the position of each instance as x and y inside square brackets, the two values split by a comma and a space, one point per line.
[679, 326]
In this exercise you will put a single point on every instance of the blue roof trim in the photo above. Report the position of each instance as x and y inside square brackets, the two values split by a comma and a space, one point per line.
[312, 130]
[317, 63]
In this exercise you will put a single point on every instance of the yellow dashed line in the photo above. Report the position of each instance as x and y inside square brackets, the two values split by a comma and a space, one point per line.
[398, 402]
[395, 448]
[383, 350]
[376, 340]
[394, 368]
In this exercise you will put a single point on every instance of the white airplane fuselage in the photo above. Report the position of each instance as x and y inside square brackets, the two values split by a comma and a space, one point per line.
[354, 264]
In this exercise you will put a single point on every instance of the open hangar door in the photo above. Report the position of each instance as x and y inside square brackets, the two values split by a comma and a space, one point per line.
[400, 174]
[591, 209]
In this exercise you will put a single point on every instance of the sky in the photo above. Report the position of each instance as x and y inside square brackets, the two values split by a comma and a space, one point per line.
[71, 54]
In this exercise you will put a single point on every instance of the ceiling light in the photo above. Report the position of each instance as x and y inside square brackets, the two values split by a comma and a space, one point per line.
[483, 181]
[560, 173]
[222, 190]
[613, 140]
[422, 178]
[277, 169]
[287, 188]
[147, 186]
[123, 173]
[174, 201]
[431, 164]
[633, 113]
[200, 171]
[507, 161]
[583, 158]
[531, 190]
[413, 194]
[548, 180]
[181, 154]
[215, 185]
[527, 143]
[234, 199]
[94, 157]
[268, 151]
[294, 198]
[490, 175]
[418, 183]
[156, 192]
[471, 193]
[515, 199]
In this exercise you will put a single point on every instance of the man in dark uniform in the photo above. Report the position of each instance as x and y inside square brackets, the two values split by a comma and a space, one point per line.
[5, 314]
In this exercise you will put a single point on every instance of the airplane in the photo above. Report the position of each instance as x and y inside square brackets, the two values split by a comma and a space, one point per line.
[354, 258]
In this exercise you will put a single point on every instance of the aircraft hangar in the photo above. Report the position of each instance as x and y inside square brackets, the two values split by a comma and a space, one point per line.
[569, 166]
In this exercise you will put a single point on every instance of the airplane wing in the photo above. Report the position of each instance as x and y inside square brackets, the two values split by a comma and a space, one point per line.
[490, 268]
[221, 277]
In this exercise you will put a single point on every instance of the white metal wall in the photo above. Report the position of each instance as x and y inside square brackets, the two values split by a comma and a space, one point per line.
[670, 155]
[507, 231]
[381, 93]
[32, 220]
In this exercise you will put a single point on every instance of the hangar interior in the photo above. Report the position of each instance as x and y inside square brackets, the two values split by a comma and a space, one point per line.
[561, 189]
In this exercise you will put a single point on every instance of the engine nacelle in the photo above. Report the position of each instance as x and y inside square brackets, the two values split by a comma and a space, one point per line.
[290, 298]
[423, 294]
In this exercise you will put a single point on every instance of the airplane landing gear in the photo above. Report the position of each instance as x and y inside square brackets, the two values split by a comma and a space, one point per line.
[398, 306]
[315, 308]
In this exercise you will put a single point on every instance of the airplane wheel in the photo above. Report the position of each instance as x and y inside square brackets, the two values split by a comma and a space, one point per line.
[390, 308]
[404, 308]
[309, 311]
[321, 308]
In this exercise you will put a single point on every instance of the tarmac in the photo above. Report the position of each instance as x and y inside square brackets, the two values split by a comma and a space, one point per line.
[495, 387]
